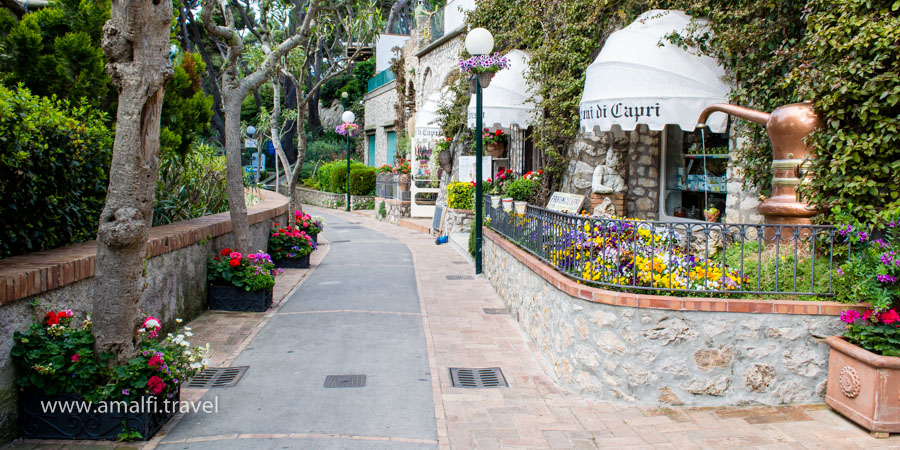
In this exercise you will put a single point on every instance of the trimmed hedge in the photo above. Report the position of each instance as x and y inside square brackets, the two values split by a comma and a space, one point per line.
[362, 181]
[54, 163]
[332, 177]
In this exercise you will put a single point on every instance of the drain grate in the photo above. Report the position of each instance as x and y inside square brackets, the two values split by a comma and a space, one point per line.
[495, 310]
[218, 377]
[488, 377]
[460, 262]
[460, 277]
[346, 227]
[345, 381]
[338, 242]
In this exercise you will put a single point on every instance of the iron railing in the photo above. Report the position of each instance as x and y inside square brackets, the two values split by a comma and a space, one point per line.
[380, 79]
[677, 257]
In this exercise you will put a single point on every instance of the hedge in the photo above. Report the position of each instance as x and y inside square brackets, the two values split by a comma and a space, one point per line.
[460, 195]
[54, 163]
[362, 181]
[332, 177]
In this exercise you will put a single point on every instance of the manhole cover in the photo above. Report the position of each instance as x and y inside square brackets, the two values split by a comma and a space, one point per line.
[345, 381]
[488, 377]
[217, 377]
[495, 310]
[460, 277]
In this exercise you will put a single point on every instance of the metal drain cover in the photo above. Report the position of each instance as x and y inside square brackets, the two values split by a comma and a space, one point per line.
[495, 310]
[488, 377]
[345, 381]
[460, 262]
[460, 277]
[337, 242]
[217, 377]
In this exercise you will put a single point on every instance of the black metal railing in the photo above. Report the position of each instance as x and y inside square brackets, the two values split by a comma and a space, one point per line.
[384, 186]
[677, 257]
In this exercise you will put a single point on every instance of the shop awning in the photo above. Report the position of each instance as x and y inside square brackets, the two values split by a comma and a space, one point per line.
[641, 78]
[505, 101]
[426, 118]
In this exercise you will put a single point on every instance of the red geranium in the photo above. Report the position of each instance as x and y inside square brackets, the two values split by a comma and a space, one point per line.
[889, 316]
[156, 385]
[155, 361]
[234, 263]
[226, 251]
[51, 319]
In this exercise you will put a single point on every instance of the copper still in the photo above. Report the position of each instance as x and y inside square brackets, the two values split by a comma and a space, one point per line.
[787, 127]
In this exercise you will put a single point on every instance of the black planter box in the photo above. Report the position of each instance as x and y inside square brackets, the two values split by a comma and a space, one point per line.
[296, 263]
[315, 237]
[103, 421]
[233, 298]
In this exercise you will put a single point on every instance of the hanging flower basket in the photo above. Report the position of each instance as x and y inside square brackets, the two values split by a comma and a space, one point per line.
[484, 67]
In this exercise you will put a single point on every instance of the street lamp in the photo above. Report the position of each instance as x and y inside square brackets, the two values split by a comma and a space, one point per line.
[251, 133]
[348, 117]
[478, 42]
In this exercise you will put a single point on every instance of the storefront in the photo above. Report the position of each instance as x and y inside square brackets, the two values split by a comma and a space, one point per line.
[648, 93]
[507, 105]
[424, 187]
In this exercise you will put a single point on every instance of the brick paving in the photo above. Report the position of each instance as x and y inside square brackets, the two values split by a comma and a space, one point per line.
[534, 412]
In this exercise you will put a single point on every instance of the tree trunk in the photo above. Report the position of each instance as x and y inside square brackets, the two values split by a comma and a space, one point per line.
[136, 43]
[234, 181]
[298, 166]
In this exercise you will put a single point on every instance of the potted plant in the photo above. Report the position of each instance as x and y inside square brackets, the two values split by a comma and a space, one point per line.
[711, 214]
[57, 365]
[864, 363]
[521, 190]
[402, 169]
[494, 142]
[484, 67]
[311, 225]
[290, 247]
[239, 283]
[444, 155]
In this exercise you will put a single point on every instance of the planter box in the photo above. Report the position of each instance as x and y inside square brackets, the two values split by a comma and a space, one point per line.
[297, 263]
[232, 298]
[863, 386]
[103, 421]
[315, 237]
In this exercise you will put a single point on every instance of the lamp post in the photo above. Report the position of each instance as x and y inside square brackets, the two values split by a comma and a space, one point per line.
[478, 42]
[251, 133]
[348, 117]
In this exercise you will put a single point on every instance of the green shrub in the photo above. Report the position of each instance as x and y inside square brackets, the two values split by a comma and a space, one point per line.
[332, 177]
[189, 187]
[54, 163]
[460, 195]
[521, 190]
[362, 181]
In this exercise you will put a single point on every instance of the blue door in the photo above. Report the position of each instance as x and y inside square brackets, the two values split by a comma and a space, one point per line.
[391, 147]
[371, 159]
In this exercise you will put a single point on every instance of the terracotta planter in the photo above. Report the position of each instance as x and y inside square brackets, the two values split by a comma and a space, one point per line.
[507, 204]
[403, 182]
[483, 78]
[521, 207]
[864, 386]
[712, 217]
[495, 150]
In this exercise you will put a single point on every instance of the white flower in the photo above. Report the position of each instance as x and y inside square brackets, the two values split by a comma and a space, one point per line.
[142, 331]
[178, 321]
[152, 323]
[188, 333]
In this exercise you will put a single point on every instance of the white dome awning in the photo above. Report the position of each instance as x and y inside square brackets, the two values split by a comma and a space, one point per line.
[505, 101]
[641, 78]
[426, 118]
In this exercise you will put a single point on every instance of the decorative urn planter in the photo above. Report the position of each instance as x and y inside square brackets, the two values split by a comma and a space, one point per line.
[864, 387]
[403, 182]
[507, 204]
[521, 207]
[484, 79]
[495, 150]
[293, 263]
[445, 160]
[712, 217]
[232, 298]
[495, 201]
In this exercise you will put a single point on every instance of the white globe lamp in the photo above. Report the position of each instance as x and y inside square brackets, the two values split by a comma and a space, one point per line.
[348, 116]
[479, 42]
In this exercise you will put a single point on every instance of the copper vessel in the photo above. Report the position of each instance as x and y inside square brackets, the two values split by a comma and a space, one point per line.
[787, 127]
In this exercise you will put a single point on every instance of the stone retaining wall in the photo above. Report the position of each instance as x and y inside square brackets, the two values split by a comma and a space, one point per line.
[662, 350]
[458, 221]
[331, 200]
[64, 278]
[394, 210]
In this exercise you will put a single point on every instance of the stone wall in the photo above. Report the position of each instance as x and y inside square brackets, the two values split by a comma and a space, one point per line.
[394, 210]
[642, 195]
[458, 221]
[331, 200]
[380, 118]
[668, 351]
[175, 281]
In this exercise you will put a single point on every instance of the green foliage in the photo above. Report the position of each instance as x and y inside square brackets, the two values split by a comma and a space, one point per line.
[460, 195]
[54, 162]
[472, 240]
[367, 203]
[332, 177]
[56, 51]
[362, 181]
[521, 190]
[186, 109]
[289, 243]
[382, 210]
[190, 186]
[869, 263]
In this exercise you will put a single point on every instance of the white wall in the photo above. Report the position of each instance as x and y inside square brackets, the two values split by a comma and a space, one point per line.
[384, 45]
[455, 13]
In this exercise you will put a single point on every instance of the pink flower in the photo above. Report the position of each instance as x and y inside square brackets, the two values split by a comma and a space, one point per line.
[155, 361]
[76, 357]
[849, 316]
[236, 256]
[156, 385]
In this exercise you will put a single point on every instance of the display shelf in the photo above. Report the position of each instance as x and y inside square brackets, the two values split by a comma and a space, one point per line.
[717, 156]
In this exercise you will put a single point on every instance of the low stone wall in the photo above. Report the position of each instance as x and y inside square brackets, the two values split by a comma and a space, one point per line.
[654, 349]
[394, 210]
[64, 278]
[458, 221]
[331, 200]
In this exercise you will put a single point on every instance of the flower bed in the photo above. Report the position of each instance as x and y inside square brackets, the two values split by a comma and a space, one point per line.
[239, 283]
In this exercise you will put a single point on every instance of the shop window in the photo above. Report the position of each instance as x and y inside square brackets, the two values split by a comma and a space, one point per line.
[694, 176]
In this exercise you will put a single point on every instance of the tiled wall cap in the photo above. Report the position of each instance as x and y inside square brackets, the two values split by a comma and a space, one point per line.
[605, 296]
[34, 273]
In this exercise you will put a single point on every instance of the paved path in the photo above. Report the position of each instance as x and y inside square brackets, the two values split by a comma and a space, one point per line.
[357, 313]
